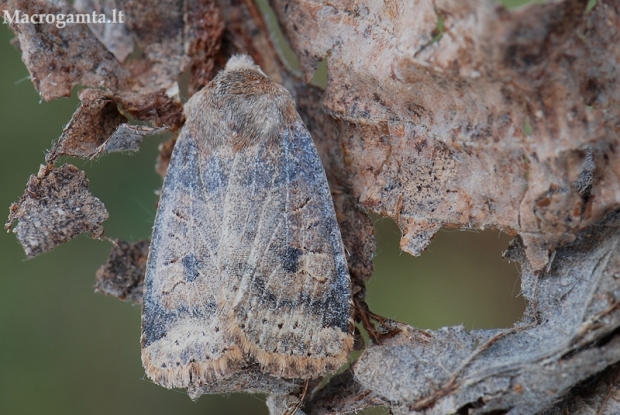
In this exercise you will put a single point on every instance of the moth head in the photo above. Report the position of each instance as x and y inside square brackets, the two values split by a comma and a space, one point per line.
[241, 106]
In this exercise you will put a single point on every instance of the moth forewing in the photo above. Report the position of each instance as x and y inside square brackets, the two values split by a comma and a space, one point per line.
[182, 333]
[286, 296]
[247, 264]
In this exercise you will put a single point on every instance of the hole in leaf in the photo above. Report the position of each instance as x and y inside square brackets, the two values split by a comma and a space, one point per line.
[281, 44]
[461, 278]
[320, 75]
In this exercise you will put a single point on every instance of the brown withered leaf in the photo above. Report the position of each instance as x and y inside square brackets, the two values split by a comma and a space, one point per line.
[55, 208]
[464, 114]
[122, 275]
[247, 33]
[157, 29]
[204, 28]
[91, 125]
[98, 128]
[171, 36]
[116, 37]
[126, 138]
[284, 404]
[60, 58]
[149, 92]
[162, 109]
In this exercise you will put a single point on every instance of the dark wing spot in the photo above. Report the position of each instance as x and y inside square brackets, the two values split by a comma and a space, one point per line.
[290, 259]
[156, 321]
[190, 263]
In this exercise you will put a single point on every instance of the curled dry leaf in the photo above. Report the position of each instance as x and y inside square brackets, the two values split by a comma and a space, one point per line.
[172, 36]
[162, 109]
[91, 125]
[122, 275]
[464, 114]
[157, 30]
[342, 395]
[126, 138]
[116, 37]
[60, 58]
[284, 404]
[98, 128]
[55, 208]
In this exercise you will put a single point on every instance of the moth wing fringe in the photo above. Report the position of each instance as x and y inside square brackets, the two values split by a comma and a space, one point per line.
[292, 367]
[194, 373]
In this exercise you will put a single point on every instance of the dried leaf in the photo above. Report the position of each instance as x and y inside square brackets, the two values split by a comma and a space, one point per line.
[60, 58]
[284, 404]
[126, 138]
[91, 125]
[598, 396]
[204, 28]
[437, 99]
[162, 109]
[566, 335]
[89, 63]
[56, 207]
[116, 37]
[123, 275]
[332, 400]
[157, 29]
[98, 128]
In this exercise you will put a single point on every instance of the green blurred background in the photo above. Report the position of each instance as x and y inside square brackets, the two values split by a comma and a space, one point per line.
[66, 350]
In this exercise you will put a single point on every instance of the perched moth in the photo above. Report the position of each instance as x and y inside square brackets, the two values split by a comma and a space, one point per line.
[246, 265]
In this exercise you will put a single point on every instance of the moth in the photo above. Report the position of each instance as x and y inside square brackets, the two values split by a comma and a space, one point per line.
[246, 265]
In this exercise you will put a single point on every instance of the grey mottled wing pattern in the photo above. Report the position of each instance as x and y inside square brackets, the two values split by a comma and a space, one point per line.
[246, 273]
[286, 288]
[183, 340]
